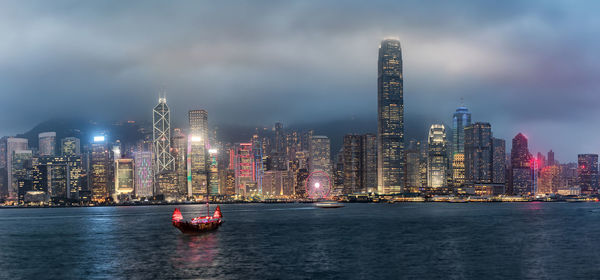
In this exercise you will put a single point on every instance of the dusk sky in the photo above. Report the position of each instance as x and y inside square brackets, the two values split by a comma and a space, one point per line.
[523, 66]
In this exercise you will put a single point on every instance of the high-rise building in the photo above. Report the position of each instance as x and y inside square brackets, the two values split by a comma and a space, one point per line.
[352, 164]
[179, 142]
[478, 150]
[587, 173]
[58, 176]
[499, 161]
[70, 146]
[143, 186]
[460, 120]
[278, 183]
[390, 118]
[369, 162]
[243, 163]
[551, 158]
[549, 180]
[124, 178]
[520, 161]
[413, 164]
[437, 158]
[213, 171]
[12, 145]
[198, 144]
[47, 143]
[359, 163]
[22, 162]
[161, 137]
[320, 154]
[101, 162]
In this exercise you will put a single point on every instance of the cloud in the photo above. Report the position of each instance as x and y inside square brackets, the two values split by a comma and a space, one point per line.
[513, 62]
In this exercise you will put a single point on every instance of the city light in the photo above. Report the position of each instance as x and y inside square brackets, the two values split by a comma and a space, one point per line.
[99, 138]
[213, 151]
[196, 138]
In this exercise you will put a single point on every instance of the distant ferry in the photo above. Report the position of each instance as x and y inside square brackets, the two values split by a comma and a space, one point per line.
[329, 204]
[199, 224]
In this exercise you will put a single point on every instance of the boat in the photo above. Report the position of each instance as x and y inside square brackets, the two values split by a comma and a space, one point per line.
[457, 200]
[199, 224]
[329, 204]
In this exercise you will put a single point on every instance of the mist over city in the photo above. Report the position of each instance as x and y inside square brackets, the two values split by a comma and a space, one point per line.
[299, 139]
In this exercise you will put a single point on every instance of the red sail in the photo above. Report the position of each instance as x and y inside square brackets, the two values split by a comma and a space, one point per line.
[217, 213]
[177, 215]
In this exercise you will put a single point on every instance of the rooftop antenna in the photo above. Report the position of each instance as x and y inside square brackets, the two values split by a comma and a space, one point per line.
[462, 102]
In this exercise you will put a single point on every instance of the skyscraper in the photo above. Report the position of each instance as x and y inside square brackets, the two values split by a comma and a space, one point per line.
[390, 118]
[161, 137]
[197, 153]
[437, 158]
[460, 120]
[179, 142]
[352, 164]
[499, 161]
[143, 173]
[478, 153]
[551, 158]
[124, 178]
[413, 164]
[100, 170]
[47, 143]
[521, 175]
[12, 145]
[587, 173]
[320, 155]
[70, 146]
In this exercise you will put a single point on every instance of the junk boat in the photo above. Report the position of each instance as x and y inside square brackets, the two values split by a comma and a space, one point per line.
[199, 224]
[329, 204]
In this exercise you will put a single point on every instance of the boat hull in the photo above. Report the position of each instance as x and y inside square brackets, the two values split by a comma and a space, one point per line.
[194, 228]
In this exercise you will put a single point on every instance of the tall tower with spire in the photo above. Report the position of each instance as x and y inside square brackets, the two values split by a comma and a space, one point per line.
[161, 136]
[390, 118]
[460, 120]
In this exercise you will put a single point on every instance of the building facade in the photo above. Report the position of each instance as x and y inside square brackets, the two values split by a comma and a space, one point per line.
[390, 118]
[437, 158]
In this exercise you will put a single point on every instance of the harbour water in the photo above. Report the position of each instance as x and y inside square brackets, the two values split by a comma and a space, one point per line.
[298, 241]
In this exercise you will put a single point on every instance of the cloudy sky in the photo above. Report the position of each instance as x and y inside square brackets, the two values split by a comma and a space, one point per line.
[523, 66]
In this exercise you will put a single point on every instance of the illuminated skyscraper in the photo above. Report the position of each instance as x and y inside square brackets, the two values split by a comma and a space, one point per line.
[478, 151]
[413, 164]
[21, 164]
[549, 180]
[179, 152]
[12, 145]
[520, 161]
[70, 146]
[198, 146]
[461, 119]
[124, 178]
[320, 154]
[390, 118]
[101, 163]
[161, 137]
[437, 158]
[47, 143]
[243, 163]
[57, 176]
[359, 163]
[143, 173]
[587, 173]
[499, 161]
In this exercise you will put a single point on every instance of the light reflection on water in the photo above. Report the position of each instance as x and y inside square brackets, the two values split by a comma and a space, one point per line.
[298, 241]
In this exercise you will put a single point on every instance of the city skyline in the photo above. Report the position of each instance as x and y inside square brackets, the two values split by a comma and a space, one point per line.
[448, 55]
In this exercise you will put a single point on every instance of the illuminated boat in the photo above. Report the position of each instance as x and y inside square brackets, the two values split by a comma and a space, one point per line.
[329, 204]
[199, 224]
